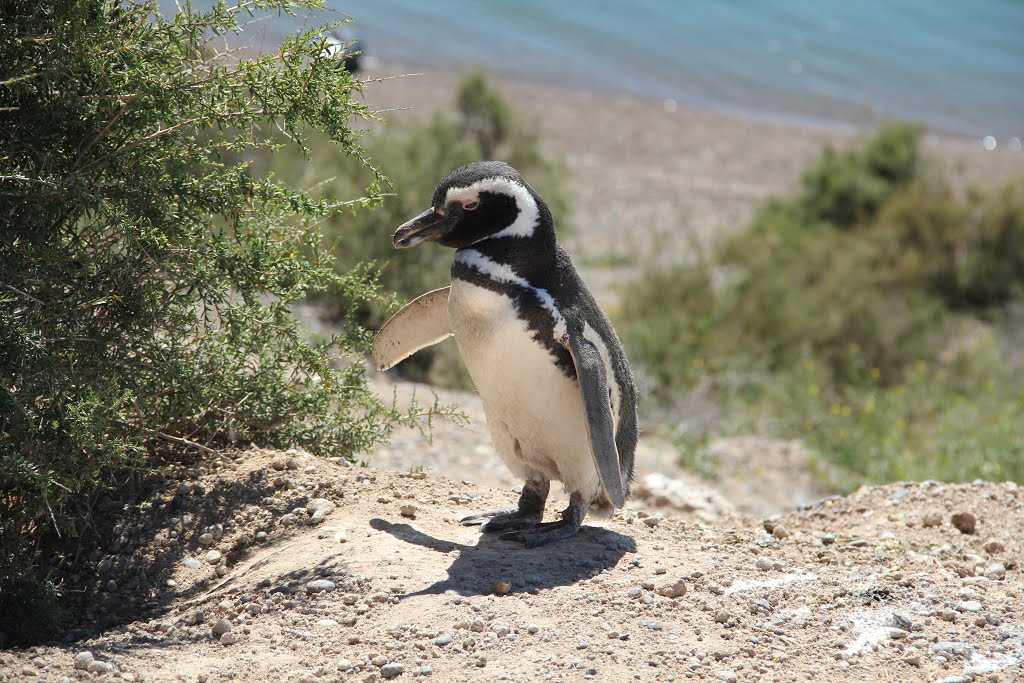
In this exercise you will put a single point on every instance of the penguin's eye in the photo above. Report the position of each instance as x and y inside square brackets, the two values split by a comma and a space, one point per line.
[471, 205]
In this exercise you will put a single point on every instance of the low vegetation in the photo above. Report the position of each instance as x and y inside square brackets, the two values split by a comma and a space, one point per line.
[147, 271]
[867, 314]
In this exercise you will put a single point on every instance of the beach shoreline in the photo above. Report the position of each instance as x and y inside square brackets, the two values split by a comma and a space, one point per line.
[650, 182]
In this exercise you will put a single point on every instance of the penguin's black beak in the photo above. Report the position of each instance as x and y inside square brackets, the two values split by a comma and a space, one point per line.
[429, 225]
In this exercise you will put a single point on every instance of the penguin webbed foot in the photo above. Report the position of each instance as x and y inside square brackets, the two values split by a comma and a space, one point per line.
[503, 518]
[526, 515]
[549, 532]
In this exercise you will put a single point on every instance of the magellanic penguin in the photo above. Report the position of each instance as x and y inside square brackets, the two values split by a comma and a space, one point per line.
[557, 390]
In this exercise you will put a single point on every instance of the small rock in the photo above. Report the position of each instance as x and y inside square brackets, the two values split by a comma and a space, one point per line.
[653, 520]
[350, 598]
[967, 606]
[828, 539]
[763, 564]
[481, 661]
[229, 638]
[996, 571]
[426, 670]
[994, 546]
[532, 628]
[965, 522]
[191, 563]
[83, 660]
[902, 620]
[780, 532]
[344, 665]
[673, 590]
[320, 586]
[100, 668]
[379, 660]
[221, 627]
[503, 587]
[443, 639]
[723, 616]
[931, 519]
[213, 557]
[261, 536]
[206, 539]
[290, 519]
[392, 670]
[477, 625]
[319, 505]
[408, 511]
[913, 660]
[317, 517]
[898, 634]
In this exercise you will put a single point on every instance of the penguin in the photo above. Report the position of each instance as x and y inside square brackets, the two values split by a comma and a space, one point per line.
[557, 390]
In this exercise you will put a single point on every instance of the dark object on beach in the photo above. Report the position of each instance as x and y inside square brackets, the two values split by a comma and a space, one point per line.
[347, 46]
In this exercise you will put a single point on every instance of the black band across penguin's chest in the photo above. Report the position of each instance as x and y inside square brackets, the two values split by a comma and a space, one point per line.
[530, 308]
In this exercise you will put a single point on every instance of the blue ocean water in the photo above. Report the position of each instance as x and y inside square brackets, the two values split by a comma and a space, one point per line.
[956, 65]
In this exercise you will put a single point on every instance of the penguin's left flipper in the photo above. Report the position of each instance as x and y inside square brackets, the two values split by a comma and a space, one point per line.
[421, 323]
[593, 380]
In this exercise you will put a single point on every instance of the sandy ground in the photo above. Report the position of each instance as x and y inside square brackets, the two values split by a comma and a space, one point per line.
[287, 567]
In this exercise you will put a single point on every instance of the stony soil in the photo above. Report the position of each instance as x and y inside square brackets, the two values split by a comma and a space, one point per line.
[284, 566]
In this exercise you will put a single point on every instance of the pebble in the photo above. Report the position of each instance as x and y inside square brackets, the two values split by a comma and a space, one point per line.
[350, 598]
[213, 557]
[932, 519]
[83, 660]
[723, 616]
[229, 638]
[100, 667]
[828, 539]
[221, 627]
[320, 586]
[503, 587]
[654, 520]
[994, 546]
[673, 590]
[344, 665]
[780, 532]
[996, 571]
[408, 511]
[206, 539]
[763, 564]
[965, 522]
[191, 563]
[261, 536]
[379, 660]
[317, 517]
[902, 620]
[898, 634]
[532, 628]
[391, 670]
[967, 606]
[426, 670]
[481, 661]
[319, 505]
[477, 625]
[443, 639]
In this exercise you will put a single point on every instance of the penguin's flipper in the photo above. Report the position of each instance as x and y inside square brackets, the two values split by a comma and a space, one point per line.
[422, 322]
[593, 381]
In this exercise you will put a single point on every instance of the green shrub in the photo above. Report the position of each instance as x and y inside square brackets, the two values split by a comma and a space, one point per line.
[145, 277]
[874, 270]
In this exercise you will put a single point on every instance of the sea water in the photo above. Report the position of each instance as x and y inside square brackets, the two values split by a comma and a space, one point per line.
[955, 65]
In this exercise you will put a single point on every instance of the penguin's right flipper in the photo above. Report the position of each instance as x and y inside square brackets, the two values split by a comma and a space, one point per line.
[421, 323]
[593, 380]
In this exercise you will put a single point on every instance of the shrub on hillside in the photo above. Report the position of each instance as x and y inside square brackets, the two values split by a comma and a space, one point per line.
[872, 271]
[145, 278]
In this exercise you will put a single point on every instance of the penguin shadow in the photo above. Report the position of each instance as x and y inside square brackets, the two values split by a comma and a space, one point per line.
[477, 568]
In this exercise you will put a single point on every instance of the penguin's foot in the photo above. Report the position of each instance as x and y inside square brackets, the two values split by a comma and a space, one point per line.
[526, 515]
[549, 532]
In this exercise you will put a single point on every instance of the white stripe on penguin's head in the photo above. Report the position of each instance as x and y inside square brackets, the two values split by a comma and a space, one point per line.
[529, 213]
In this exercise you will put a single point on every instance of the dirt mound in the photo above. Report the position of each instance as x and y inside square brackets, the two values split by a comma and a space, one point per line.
[288, 567]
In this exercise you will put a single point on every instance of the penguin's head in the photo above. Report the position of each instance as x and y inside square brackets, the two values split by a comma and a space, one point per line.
[482, 200]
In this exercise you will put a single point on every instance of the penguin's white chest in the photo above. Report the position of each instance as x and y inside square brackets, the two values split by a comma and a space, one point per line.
[535, 412]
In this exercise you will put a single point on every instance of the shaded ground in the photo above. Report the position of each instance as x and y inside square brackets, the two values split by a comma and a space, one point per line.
[877, 586]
